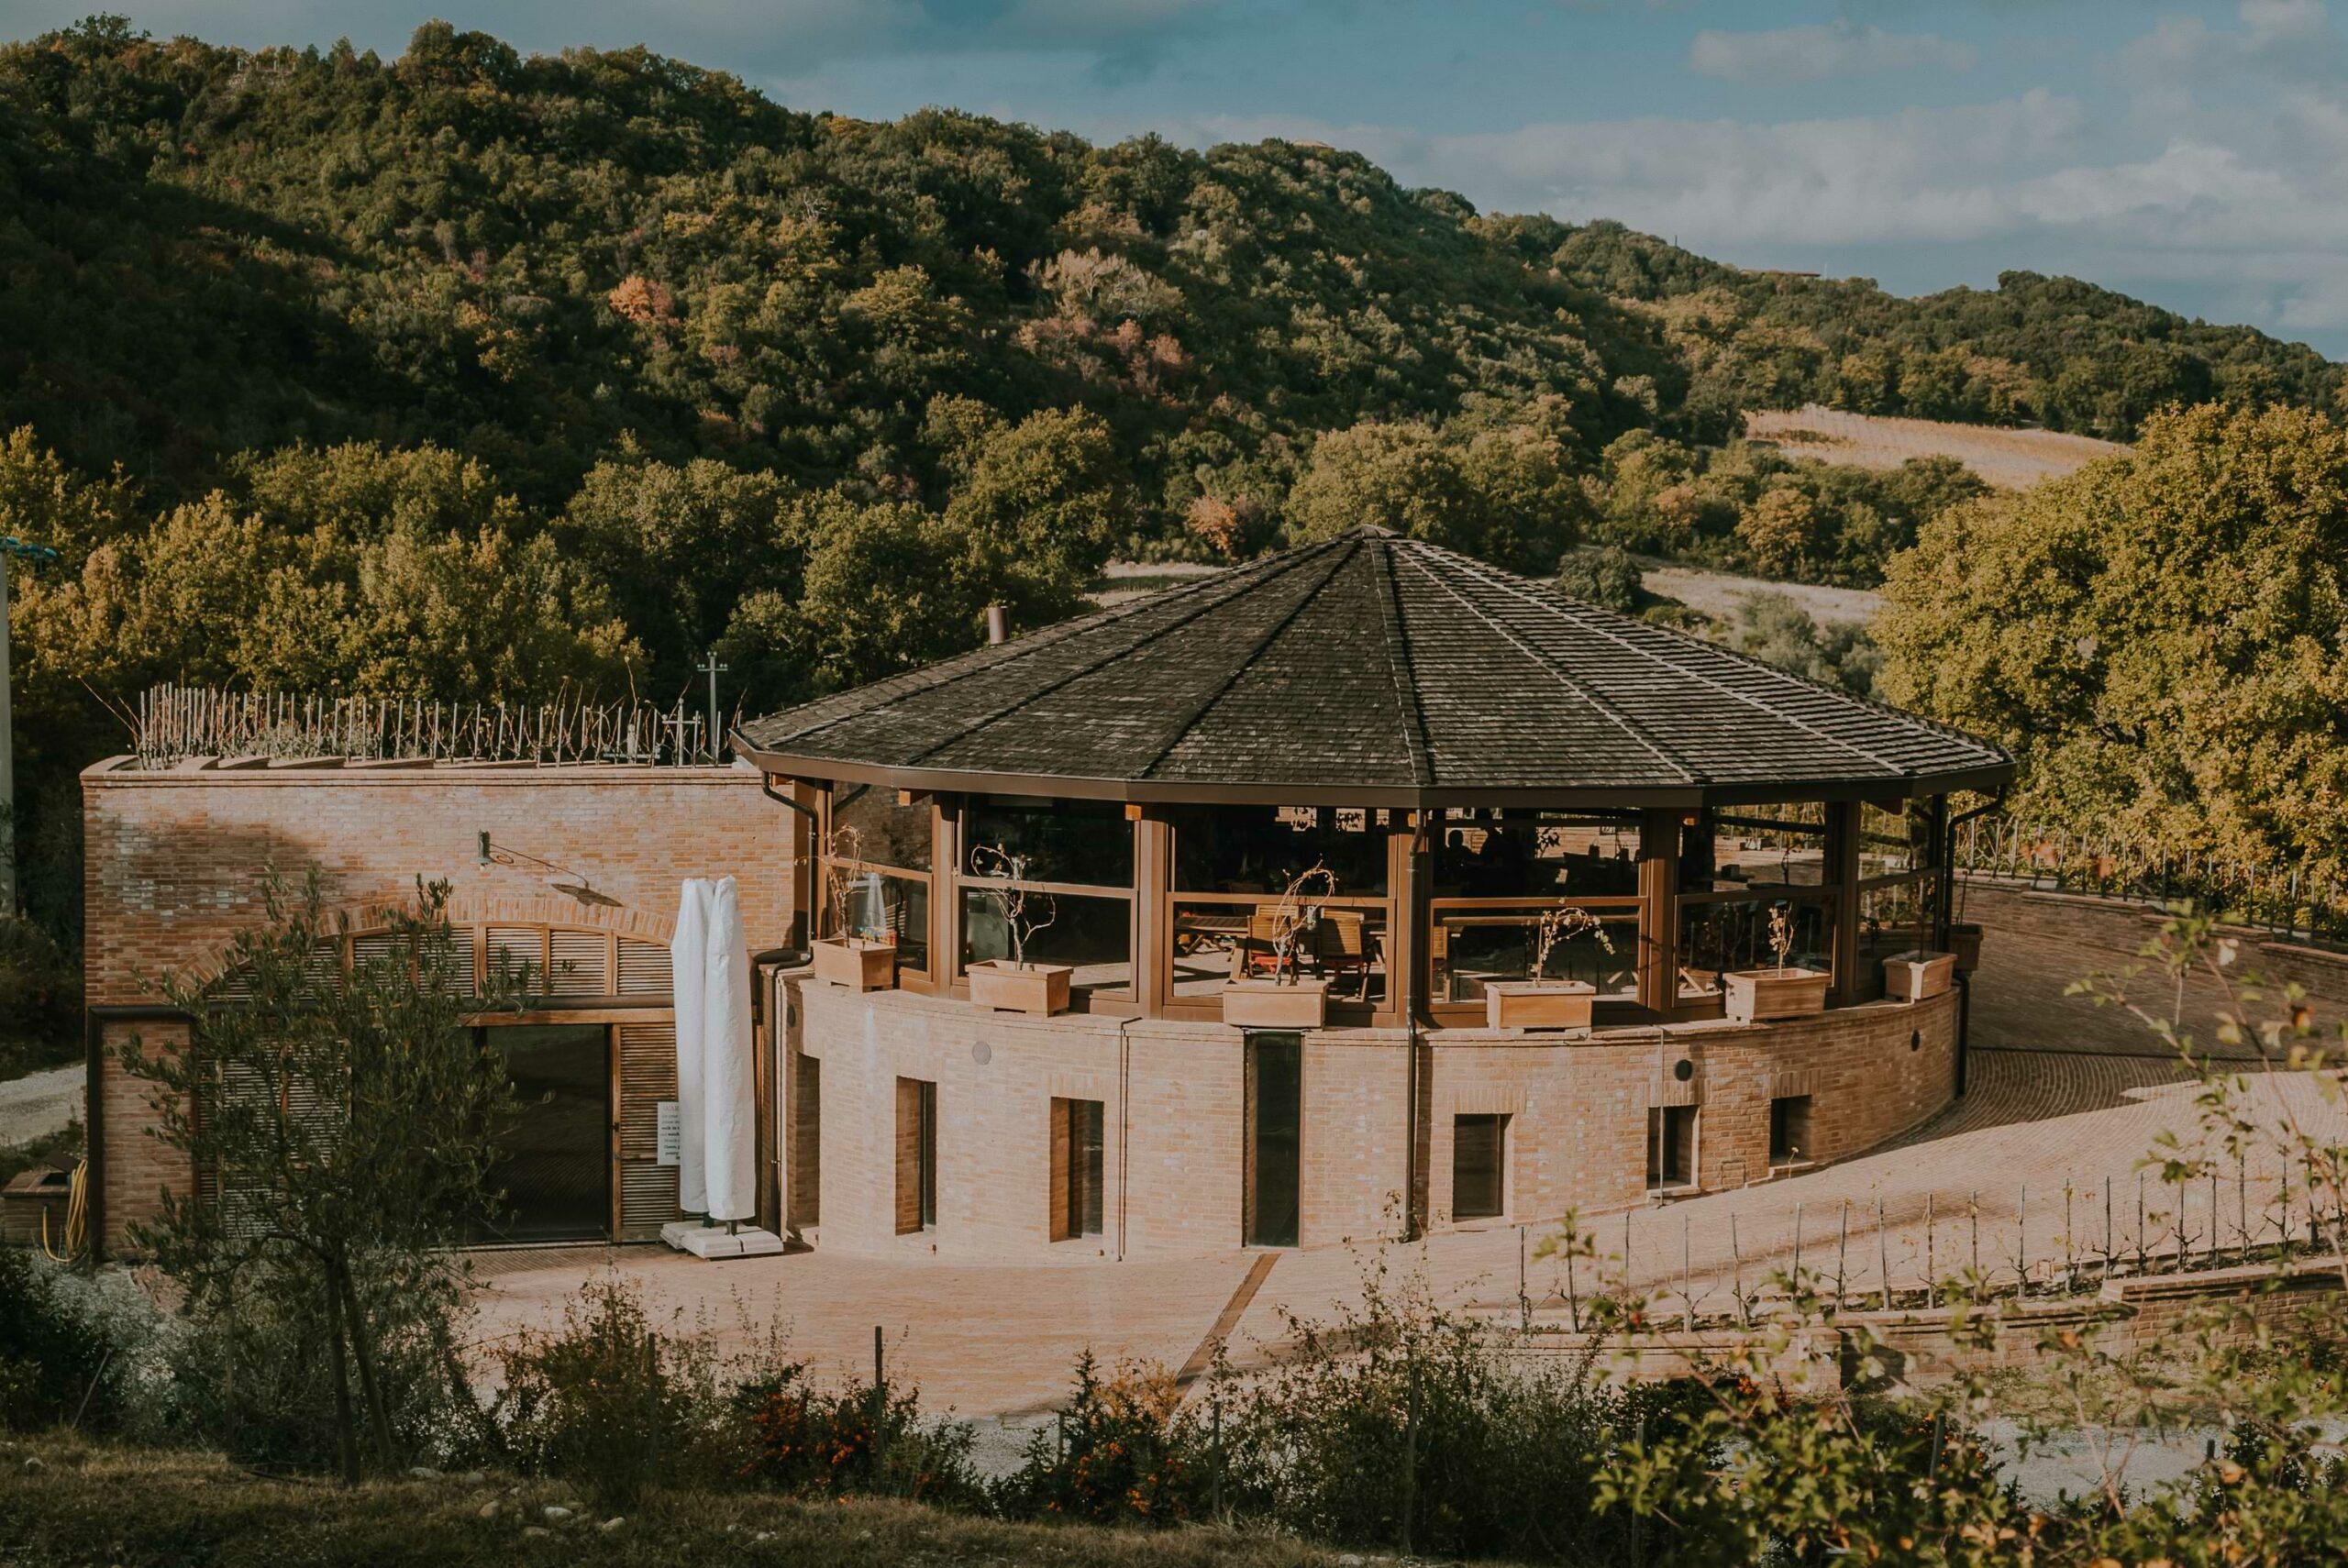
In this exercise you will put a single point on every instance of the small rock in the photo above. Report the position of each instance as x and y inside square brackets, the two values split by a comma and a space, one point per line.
[763, 1535]
[424, 1473]
[557, 1514]
[610, 1524]
[475, 1478]
[539, 1531]
[1349, 1560]
[491, 1509]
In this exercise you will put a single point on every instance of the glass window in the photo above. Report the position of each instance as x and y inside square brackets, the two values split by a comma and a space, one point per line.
[1275, 1116]
[1719, 936]
[1492, 854]
[1078, 1161]
[917, 1155]
[893, 834]
[1759, 846]
[1671, 1146]
[1055, 841]
[1224, 940]
[1474, 943]
[1261, 849]
[895, 907]
[1093, 937]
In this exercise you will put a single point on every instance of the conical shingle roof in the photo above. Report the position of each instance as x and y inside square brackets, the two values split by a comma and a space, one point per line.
[1369, 670]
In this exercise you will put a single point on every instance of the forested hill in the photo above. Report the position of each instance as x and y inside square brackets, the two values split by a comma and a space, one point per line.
[2034, 350]
[533, 261]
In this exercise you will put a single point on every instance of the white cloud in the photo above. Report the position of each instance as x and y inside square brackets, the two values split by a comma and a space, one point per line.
[1816, 53]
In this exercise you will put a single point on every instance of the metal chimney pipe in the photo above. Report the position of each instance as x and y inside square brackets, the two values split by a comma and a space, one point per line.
[998, 631]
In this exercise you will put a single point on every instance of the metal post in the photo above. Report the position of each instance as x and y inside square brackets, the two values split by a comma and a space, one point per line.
[1842, 1254]
[1883, 1251]
[1932, 1257]
[712, 668]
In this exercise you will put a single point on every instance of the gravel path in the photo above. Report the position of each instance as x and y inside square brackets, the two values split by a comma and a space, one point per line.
[40, 1103]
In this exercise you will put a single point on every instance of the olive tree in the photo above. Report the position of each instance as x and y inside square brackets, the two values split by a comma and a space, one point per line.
[344, 1116]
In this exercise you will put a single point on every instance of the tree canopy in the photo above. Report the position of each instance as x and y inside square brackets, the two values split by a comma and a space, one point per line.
[2162, 637]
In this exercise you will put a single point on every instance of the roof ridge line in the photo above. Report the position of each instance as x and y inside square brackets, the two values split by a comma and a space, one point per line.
[943, 672]
[1230, 679]
[1556, 607]
[1557, 672]
[1289, 562]
[1405, 677]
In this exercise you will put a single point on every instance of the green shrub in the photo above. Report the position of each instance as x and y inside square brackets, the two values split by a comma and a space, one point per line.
[251, 1369]
[60, 1360]
[1124, 1450]
[40, 1001]
[1398, 1422]
[609, 1403]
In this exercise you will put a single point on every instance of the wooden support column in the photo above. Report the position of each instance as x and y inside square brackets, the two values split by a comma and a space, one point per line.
[944, 898]
[1153, 909]
[1410, 882]
[1842, 874]
[1658, 963]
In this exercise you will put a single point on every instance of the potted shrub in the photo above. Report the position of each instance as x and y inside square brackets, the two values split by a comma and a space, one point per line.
[1285, 998]
[1014, 984]
[862, 957]
[1538, 1001]
[1917, 974]
[1755, 996]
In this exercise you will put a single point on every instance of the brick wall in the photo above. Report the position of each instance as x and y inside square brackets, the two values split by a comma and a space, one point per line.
[173, 860]
[1175, 1116]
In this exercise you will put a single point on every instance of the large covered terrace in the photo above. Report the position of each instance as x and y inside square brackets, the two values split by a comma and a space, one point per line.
[1458, 750]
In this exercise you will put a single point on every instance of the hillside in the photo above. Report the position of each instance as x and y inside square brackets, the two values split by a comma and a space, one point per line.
[2034, 350]
[210, 250]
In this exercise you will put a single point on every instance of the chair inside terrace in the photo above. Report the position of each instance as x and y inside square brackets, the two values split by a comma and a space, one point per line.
[1341, 944]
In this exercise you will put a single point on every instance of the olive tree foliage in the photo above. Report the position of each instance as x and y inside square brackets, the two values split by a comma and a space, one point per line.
[348, 1125]
[2161, 637]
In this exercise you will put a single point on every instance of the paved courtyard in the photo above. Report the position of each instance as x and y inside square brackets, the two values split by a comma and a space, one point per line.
[2063, 1098]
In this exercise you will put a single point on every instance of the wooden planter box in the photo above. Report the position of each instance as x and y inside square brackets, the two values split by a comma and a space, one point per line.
[1039, 988]
[1913, 976]
[1538, 1004]
[1755, 996]
[854, 962]
[1269, 1004]
[1965, 941]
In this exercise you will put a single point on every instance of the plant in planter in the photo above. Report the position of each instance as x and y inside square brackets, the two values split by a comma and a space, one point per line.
[861, 957]
[1781, 991]
[1919, 972]
[1015, 984]
[1538, 1001]
[1285, 998]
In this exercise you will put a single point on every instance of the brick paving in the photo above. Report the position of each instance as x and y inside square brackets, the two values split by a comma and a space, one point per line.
[2063, 1097]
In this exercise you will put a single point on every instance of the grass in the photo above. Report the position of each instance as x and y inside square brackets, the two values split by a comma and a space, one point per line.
[93, 1502]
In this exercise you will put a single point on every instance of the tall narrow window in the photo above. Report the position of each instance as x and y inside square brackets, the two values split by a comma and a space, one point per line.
[1078, 1158]
[1671, 1146]
[1478, 1166]
[1275, 1148]
[917, 1155]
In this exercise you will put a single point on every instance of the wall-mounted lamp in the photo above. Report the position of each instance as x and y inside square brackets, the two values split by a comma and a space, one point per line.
[499, 855]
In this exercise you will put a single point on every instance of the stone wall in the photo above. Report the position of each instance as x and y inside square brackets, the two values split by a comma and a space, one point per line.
[1174, 1109]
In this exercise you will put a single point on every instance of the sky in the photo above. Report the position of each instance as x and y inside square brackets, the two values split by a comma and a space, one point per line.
[2192, 154]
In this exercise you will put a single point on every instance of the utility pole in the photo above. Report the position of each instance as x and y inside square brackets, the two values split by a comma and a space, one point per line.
[713, 669]
[10, 547]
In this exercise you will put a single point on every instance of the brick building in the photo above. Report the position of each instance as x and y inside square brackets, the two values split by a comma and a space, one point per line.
[1360, 889]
